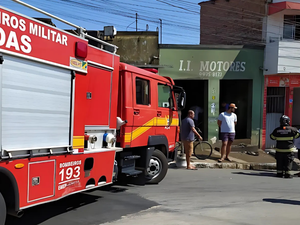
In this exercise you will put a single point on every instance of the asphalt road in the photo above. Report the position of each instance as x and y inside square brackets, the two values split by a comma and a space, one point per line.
[205, 196]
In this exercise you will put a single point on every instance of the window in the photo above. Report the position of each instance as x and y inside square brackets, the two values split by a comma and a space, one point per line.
[142, 91]
[163, 95]
[291, 28]
[275, 99]
[289, 31]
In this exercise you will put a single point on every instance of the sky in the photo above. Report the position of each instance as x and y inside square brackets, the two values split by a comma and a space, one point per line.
[180, 18]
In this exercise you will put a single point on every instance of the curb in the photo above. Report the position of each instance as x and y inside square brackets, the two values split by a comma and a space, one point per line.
[241, 166]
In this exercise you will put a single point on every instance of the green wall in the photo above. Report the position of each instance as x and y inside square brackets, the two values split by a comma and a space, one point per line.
[213, 64]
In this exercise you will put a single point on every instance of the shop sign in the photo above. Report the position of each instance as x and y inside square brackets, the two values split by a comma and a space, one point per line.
[283, 81]
[208, 69]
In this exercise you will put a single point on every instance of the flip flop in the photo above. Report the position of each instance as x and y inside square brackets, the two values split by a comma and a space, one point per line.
[192, 169]
[220, 160]
[228, 159]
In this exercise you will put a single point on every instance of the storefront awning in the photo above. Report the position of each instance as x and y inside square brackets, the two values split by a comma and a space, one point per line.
[280, 6]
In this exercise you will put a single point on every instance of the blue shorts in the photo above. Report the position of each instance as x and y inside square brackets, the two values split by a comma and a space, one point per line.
[227, 137]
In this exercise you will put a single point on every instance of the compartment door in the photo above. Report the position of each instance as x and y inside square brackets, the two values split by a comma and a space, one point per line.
[41, 180]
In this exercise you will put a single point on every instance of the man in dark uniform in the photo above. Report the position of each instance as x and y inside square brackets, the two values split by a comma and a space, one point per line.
[284, 136]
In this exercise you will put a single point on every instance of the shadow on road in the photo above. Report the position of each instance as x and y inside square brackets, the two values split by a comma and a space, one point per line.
[282, 201]
[260, 174]
[98, 206]
[37, 215]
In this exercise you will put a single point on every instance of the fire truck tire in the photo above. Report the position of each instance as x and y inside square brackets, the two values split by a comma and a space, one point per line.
[2, 210]
[158, 167]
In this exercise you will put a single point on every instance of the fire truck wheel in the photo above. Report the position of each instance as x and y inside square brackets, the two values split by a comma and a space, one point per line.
[158, 167]
[2, 210]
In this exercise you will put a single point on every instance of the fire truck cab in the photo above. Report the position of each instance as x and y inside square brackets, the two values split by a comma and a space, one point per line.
[147, 103]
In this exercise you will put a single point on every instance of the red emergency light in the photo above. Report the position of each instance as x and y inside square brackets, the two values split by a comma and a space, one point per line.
[81, 49]
[151, 70]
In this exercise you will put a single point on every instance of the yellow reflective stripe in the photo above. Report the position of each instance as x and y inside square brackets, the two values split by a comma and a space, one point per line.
[284, 138]
[156, 121]
[175, 122]
[297, 135]
[127, 137]
[78, 142]
[273, 137]
[284, 150]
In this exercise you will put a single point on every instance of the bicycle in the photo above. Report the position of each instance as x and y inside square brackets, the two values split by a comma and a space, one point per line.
[202, 149]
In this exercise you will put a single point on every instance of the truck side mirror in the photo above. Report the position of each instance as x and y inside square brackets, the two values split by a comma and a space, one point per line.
[181, 100]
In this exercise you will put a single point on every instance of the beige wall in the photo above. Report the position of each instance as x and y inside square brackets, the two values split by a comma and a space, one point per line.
[137, 48]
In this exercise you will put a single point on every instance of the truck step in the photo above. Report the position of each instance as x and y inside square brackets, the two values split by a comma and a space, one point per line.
[131, 172]
[131, 157]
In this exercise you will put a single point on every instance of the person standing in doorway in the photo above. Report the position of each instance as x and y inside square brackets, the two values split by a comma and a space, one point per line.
[227, 121]
[188, 133]
[224, 106]
[197, 110]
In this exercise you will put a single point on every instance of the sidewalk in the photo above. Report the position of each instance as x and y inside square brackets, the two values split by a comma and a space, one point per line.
[240, 160]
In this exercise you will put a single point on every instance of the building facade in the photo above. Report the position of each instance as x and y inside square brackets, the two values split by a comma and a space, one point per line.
[138, 48]
[282, 66]
[275, 24]
[212, 75]
[232, 22]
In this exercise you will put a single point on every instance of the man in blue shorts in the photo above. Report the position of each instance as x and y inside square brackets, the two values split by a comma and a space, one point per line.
[227, 121]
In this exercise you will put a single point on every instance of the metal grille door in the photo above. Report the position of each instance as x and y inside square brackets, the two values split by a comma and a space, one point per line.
[275, 109]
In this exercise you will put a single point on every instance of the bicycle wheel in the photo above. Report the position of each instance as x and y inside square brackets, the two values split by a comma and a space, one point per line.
[203, 150]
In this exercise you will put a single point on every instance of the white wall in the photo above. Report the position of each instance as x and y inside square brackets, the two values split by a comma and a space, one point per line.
[289, 56]
[271, 58]
[281, 55]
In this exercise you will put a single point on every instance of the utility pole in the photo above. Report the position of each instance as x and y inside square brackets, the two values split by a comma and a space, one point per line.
[160, 30]
[136, 21]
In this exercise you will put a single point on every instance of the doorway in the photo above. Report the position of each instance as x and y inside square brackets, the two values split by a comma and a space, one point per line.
[196, 95]
[274, 110]
[240, 93]
[296, 107]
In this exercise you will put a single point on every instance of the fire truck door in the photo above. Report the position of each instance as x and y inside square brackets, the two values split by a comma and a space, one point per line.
[165, 118]
[144, 112]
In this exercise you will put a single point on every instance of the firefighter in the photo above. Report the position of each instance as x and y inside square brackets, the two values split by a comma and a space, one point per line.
[284, 136]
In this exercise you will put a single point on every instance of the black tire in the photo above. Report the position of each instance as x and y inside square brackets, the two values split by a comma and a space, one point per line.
[158, 167]
[203, 150]
[2, 210]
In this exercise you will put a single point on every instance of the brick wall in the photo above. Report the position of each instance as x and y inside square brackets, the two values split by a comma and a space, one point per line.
[231, 22]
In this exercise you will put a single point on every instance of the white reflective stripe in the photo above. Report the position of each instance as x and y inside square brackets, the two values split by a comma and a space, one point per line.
[100, 65]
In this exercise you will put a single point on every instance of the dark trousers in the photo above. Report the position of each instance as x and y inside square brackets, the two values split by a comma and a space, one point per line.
[284, 161]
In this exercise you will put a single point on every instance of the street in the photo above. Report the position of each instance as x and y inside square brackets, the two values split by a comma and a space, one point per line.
[205, 196]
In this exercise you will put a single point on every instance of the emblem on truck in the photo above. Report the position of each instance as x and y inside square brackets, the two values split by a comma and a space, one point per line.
[80, 64]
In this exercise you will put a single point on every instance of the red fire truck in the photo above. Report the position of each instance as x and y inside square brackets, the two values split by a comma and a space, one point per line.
[73, 117]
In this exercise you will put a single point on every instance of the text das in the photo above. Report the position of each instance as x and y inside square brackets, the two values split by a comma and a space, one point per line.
[22, 42]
